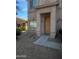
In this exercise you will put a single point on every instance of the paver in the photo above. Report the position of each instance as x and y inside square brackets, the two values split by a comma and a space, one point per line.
[25, 46]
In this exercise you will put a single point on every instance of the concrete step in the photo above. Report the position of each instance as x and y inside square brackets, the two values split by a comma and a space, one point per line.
[43, 41]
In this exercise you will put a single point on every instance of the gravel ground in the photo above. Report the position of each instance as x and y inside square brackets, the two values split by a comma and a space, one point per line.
[25, 46]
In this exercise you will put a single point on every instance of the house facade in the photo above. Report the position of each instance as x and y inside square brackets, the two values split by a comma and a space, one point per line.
[22, 23]
[47, 14]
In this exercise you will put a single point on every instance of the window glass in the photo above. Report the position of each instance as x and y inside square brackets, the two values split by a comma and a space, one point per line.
[33, 3]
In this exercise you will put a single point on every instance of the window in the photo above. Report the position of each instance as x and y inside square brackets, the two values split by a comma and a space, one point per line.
[33, 3]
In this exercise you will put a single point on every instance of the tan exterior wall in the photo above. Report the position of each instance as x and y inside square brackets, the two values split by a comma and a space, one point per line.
[20, 21]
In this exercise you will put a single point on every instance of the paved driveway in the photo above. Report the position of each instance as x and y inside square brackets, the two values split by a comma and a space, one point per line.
[26, 49]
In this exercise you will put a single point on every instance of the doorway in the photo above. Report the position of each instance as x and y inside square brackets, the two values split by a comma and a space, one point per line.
[47, 24]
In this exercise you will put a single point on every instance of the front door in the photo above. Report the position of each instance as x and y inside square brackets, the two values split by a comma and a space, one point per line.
[47, 24]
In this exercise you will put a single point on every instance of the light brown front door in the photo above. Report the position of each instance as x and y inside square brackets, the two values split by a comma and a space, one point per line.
[47, 24]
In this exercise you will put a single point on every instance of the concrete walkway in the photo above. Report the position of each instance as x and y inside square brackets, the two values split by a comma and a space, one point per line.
[43, 41]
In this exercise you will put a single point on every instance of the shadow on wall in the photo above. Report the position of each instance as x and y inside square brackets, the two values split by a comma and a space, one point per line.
[59, 29]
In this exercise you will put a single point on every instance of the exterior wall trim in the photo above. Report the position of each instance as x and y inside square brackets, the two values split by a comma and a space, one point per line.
[47, 5]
